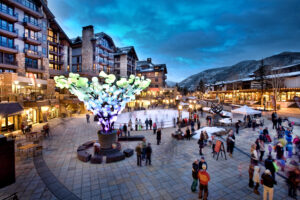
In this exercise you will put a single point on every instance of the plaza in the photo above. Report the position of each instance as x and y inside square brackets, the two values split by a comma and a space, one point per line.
[58, 174]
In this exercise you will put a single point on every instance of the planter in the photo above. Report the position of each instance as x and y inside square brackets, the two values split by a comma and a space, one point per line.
[106, 140]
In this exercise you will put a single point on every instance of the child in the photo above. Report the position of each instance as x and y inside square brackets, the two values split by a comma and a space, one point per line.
[256, 179]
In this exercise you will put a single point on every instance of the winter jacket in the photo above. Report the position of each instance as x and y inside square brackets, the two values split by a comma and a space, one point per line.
[195, 170]
[158, 135]
[262, 146]
[138, 151]
[268, 180]
[148, 150]
[256, 174]
[269, 165]
[202, 163]
[204, 177]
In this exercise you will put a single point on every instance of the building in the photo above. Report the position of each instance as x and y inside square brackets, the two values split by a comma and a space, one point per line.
[33, 49]
[125, 61]
[248, 90]
[95, 52]
[155, 72]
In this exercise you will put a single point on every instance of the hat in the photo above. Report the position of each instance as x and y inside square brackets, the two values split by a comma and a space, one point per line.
[268, 172]
[204, 166]
[202, 158]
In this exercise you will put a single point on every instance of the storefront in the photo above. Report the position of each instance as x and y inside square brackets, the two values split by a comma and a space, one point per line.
[10, 116]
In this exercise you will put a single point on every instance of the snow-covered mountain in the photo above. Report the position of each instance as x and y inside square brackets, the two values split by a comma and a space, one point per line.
[239, 70]
[170, 83]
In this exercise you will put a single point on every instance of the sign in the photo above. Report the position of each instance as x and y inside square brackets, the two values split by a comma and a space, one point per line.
[32, 78]
[219, 148]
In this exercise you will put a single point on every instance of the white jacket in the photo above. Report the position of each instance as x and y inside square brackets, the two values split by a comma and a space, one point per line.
[256, 174]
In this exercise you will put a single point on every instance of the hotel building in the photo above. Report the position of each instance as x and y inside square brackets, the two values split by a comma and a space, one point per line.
[33, 48]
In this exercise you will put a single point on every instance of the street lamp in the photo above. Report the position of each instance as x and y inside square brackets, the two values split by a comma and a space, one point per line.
[190, 111]
[179, 112]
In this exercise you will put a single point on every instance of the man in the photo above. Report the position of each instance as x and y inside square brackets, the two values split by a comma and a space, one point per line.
[198, 124]
[147, 123]
[148, 154]
[150, 123]
[158, 136]
[125, 130]
[188, 134]
[87, 118]
[274, 119]
[202, 162]
[138, 151]
[204, 178]
[136, 124]
[237, 127]
[195, 169]
[268, 183]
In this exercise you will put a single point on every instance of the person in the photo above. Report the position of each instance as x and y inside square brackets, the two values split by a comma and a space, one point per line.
[254, 156]
[279, 121]
[147, 123]
[213, 141]
[144, 145]
[231, 141]
[192, 125]
[195, 169]
[125, 130]
[201, 143]
[150, 123]
[87, 118]
[148, 154]
[293, 182]
[268, 183]
[201, 111]
[237, 127]
[202, 162]
[154, 128]
[274, 119]
[23, 127]
[261, 149]
[289, 145]
[205, 137]
[266, 131]
[279, 150]
[140, 125]
[174, 122]
[162, 124]
[280, 132]
[138, 151]
[256, 179]
[269, 165]
[204, 178]
[158, 136]
[253, 124]
[188, 133]
[198, 124]
[136, 124]
[130, 125]
[251, 173]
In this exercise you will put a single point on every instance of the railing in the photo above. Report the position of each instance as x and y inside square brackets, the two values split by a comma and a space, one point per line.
[52, 39]
[31, 22]
[29, 5]
[8, 62]
[9, 46]
[6, 11]
[38, 53]
[32, 37]
[6, 28]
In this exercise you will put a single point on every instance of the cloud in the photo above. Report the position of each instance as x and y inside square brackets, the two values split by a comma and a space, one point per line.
[189, 36]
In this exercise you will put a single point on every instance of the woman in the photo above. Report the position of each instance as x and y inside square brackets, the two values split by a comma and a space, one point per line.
[188, 134]
[140, 125]
[130, 125]
[158, 136]
[254, 156]
[201, 143]
[261, 149]
[231, 141]
[195, 170]
[154, 127]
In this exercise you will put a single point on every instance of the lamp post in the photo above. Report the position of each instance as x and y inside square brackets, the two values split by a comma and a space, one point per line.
[190, 111]
[179, 112]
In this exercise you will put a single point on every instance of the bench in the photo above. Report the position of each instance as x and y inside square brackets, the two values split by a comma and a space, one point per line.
[131, 138]
[115, 157]
[83, 156]
[128, 152]
[96, 159]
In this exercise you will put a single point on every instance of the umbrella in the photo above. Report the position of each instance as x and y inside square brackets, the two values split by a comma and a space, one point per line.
[245, 110]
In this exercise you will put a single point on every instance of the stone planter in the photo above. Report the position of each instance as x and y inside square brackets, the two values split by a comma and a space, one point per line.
[106, 140]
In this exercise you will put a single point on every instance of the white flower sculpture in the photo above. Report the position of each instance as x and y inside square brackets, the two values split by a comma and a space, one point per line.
[104, 100]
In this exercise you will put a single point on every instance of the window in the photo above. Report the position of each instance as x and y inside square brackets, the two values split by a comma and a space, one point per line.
[44, 25]
[156, 73]
[44, 51]
[7, 58]
[31, 34]
[44, 38]
[31, 48]
[4, 41]
[7, 9]
[31, 20]
[31, 63]
[156, 79]
[6, 26]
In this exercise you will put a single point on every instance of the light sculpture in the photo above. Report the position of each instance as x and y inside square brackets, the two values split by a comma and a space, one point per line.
[105, 100]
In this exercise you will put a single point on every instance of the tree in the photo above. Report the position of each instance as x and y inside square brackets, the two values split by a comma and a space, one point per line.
[106, 100]
[201, 86]
[276, 81]
[260, 76]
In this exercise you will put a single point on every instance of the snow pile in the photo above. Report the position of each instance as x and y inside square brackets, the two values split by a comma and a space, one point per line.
[210, 131]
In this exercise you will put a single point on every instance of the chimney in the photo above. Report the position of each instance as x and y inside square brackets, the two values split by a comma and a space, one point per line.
[149, 60]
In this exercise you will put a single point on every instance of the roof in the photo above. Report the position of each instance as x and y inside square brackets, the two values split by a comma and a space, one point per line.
[145, 66]
[104, 35]
[286, 66]
[126, 50]
[10, 108]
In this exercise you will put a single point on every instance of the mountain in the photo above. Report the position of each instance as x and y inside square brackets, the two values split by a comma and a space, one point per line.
[239, 70]
[170, 83]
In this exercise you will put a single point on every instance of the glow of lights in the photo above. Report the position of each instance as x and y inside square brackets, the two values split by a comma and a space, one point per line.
[106, 100]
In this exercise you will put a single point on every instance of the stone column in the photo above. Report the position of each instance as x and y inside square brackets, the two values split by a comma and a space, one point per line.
[20, 58]
[87, 48]
[45, 66]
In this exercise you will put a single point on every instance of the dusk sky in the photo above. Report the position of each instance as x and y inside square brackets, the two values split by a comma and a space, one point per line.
[189, 36]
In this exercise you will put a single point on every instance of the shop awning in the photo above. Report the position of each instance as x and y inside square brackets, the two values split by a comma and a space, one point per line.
[7, 109]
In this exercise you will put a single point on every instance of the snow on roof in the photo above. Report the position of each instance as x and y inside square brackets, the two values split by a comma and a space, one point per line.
[284, 74]
[286, 66]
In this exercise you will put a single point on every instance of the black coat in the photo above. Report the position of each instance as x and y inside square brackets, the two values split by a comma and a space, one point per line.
[150, 122]
[269, 165]
[202, 163]
[195, 171]
[268, 180]
[158, 135]
[148, 150]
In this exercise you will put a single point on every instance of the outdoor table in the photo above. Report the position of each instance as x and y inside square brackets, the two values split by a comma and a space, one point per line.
[27, 147]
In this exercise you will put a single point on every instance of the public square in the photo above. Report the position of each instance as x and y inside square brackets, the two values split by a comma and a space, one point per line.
[169, 176]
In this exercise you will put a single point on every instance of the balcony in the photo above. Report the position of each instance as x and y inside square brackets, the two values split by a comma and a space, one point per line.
[4, 47]
[8, 32]
[110, 56]
[53, 41]
[8, 64]
[53, 52]
[29, 8]
[9, 16]
[32, 54]
[53, 61]
[103, 54]
[34, 68]
[31, 25]
[105, 47]
[32, 40]
[54, 72]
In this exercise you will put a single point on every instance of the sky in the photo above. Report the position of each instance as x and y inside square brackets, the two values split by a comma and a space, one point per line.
[189, 36]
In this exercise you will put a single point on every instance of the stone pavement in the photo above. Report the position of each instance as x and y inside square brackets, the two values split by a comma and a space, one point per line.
[169, 177]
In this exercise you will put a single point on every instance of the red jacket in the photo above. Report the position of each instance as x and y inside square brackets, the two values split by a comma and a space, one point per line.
[203, 177]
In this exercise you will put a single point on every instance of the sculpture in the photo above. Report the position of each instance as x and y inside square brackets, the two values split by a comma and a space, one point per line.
[105, 100]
